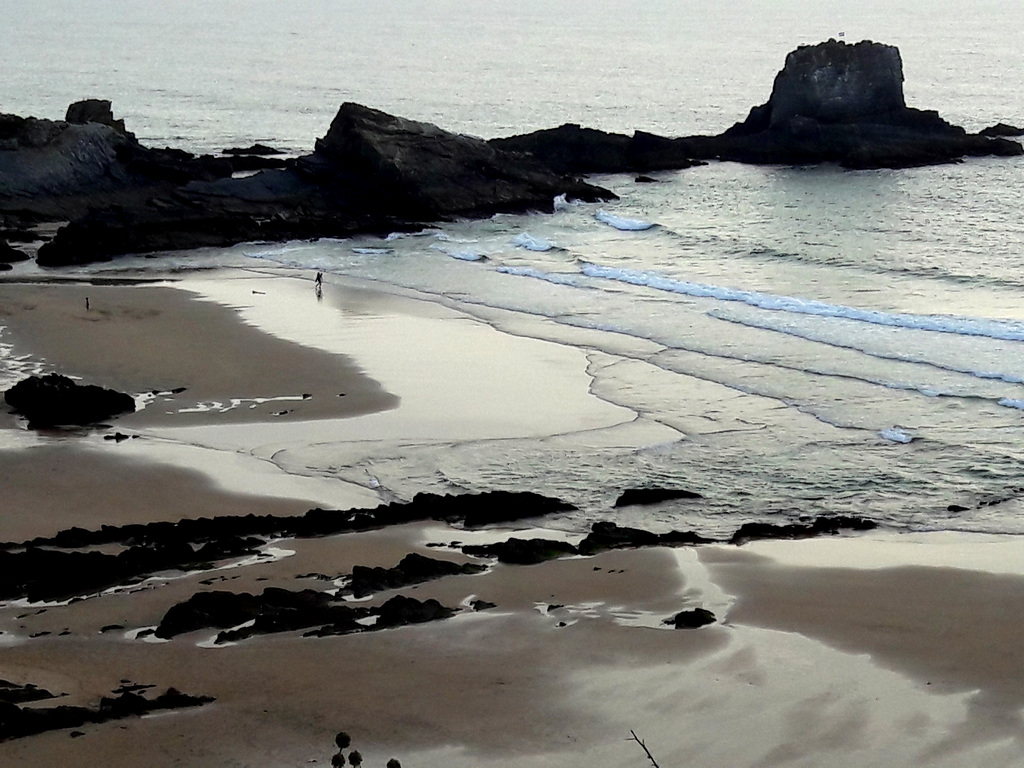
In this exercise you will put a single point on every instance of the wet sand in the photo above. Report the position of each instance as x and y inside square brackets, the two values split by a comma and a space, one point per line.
[878, 649]
[157, 338]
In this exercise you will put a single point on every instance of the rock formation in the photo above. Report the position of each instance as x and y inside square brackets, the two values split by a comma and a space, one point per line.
[281, 610]
[820, 526]
[831, 102]
[95, 111]
[605, 535]
[571, 148]
[17, 722]
[837, 83]
[54, 400]
[841, 103]
[41, 160]
[413, 569]
[62, 169]
[38, 569]
[422, 171]
[633, 496]
[370, 172]
[1001, 129]
[691, 619]
[374, 172]
[10, 255]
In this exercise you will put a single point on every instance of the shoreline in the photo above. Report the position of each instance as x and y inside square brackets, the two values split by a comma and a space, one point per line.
[153, 338]
[878, 648]
[282, 386]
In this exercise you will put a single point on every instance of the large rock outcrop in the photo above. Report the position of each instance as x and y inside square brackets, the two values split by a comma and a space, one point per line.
[835, 102]
[370, 172]
[42, 159]
[838, 83]
[55, 400]
[62, 169]
[427, 172]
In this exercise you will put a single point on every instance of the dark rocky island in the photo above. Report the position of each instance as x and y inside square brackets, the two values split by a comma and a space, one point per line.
[831, 103]
[842, 103]
[374, 173]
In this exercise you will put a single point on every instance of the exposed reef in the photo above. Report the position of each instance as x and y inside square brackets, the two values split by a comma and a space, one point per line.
[413, 569]
[19, 721]
[41, 569]
[643, 496]
[325, 613]
[281, 610]
[77, 563]
[605, 535]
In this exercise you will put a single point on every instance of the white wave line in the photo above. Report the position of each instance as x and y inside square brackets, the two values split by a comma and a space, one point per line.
[964, 326]
[1008, 378]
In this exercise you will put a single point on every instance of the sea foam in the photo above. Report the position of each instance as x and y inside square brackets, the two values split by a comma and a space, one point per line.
[896, 435]
[538, 274]
[562, 203]
[531, 243]
[462, 254]
[626, 225]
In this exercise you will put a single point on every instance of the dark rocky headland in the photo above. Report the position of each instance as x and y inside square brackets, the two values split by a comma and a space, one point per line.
[373, 172]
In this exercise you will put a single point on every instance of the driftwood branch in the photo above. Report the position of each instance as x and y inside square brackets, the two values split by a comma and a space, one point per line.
[644, 747]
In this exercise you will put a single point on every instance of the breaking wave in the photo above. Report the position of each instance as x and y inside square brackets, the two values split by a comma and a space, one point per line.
[1005, 330]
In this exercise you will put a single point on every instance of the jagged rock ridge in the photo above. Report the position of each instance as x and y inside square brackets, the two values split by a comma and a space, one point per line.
[371, 172]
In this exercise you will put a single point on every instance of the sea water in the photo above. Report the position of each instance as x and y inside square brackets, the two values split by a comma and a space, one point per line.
[814, 340]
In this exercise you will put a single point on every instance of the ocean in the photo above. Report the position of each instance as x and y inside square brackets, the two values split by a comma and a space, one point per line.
[813, 340]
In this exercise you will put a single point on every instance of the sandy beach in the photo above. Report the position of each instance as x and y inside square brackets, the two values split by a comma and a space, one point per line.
[874, 649]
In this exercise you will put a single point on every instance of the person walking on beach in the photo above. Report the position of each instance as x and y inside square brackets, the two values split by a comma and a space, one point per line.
[319, 282]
